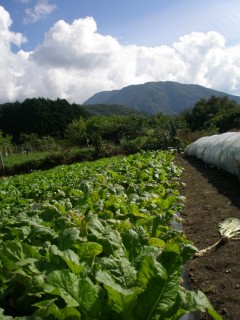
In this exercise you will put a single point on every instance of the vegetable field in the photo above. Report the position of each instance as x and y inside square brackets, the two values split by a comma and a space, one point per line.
[94, 241]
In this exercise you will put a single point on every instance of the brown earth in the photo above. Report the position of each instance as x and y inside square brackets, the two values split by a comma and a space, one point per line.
[212, 195]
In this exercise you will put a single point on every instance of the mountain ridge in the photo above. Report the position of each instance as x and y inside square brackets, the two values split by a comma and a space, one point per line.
[153, 97]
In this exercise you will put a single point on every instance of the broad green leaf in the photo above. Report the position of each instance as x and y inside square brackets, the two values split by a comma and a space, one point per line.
[156, 242]
[94, 225]
[15, 251]
[188, 250]
[111, 242]
[120, 270]
[68, 238]
[88, 250]
[31, 263]
[49, 212]
[69, 257]
[114, 203]
[49, 310]
[70, 313]
[171, 257]
[36, 284]
[76, 291]
[161, 290]
[149, 269]
[132, 244]
[121, 299]
[192, 301]
[39, 234]
[109, 238]
[75, 192]
[120, 225]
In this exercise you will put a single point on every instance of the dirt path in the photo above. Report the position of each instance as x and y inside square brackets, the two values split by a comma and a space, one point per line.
[212, 196]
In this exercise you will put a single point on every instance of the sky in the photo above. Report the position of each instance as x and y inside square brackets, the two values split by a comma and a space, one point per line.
[72, 49]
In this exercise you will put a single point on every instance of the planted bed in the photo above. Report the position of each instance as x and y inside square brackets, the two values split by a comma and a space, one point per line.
[94, 241]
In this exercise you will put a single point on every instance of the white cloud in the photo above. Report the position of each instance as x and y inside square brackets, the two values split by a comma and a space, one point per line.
[23, 1]
[75, 61]
[10, 63]
[40, 11]
[6, 36]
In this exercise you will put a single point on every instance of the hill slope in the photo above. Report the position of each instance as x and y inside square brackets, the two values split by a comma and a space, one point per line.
[152, 97]
[108, 110]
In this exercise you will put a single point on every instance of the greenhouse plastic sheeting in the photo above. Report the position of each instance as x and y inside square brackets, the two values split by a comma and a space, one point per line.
[221, 150]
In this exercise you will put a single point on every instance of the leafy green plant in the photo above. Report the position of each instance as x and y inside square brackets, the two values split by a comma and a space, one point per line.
[94, 241]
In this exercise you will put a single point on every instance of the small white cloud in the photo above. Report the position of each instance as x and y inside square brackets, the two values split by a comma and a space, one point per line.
[23, 1]
[40, 11]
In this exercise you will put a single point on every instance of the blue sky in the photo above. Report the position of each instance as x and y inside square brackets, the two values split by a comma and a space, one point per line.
[114, 43]
[140, 22]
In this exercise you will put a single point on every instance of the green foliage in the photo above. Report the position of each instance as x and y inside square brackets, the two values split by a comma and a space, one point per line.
[19, 159]
[157, 132]
[133, 133]
[76, 133]
[41, 116]
[134, 145]
[114, 128]
[187, 136]
[218, 114]
[26, 162]
[93, 241]
[5, 143]
[226, 120]
[33, 143]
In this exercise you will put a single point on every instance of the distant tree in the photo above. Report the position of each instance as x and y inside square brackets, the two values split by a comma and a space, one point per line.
[76, 132]
[225, 120]
[203, 113]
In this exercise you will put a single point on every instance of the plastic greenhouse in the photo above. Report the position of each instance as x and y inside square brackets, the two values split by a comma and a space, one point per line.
[221, 150]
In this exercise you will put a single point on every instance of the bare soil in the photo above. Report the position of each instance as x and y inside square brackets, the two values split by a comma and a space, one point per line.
[212, 195]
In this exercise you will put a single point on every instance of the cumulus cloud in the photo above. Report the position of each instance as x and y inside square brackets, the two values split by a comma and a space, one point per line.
[6, 36]
[75, 61]
[10, 62]
[40, 11]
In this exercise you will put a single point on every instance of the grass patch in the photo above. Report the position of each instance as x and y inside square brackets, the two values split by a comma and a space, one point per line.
[25, 163]
[18, 159]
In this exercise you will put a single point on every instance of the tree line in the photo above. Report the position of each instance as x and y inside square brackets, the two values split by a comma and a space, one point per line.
[45, 122]
[39, 116]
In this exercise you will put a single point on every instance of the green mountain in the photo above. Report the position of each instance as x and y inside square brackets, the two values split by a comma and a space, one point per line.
[152, 97]
[108, 110]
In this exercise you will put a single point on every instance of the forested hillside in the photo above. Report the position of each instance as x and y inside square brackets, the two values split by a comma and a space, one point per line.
[152, 97]
[109, 110]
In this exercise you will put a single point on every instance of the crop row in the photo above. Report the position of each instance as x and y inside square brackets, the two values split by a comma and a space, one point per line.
[94, 241]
